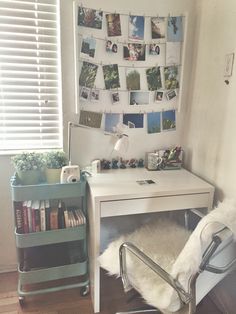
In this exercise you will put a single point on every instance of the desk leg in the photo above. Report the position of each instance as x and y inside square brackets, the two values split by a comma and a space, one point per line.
[94, 251]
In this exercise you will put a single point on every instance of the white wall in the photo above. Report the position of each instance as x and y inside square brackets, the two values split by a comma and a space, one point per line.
[209, 128]
[90, 144]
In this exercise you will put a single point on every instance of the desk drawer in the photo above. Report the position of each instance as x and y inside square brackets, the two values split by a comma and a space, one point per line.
[153, 204]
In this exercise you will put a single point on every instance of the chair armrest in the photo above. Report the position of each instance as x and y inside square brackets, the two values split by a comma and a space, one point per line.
[174, 283]
[217, 238]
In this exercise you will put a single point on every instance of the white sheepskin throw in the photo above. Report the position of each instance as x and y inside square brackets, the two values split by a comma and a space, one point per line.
[172, 247]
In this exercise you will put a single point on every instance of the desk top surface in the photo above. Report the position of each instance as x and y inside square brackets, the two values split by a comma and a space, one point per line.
[118, 184]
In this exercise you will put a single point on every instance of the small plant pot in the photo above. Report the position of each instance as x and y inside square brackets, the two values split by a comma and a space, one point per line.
[53, 175]
[30, 177]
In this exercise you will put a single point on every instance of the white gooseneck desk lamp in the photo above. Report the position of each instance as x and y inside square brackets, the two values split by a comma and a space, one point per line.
[71, 173]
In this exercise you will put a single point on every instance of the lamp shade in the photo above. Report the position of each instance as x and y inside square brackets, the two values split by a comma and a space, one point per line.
[121, 146]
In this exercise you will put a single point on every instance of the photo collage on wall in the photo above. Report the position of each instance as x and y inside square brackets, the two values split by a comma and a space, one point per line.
[163, 80]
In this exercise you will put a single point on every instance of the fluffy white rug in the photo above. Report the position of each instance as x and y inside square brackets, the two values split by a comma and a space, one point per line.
[172, 247]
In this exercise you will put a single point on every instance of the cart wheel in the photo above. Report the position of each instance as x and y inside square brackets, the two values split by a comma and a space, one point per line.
[22, 301]
[84, 291]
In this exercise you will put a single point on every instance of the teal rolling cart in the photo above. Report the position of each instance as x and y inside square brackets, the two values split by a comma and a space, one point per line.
[27, 241]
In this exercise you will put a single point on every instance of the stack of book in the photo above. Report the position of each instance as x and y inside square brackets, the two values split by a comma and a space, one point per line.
[43, 215]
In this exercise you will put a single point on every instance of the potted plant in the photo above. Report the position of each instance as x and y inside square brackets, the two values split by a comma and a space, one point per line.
[29, 167]
[54, 161]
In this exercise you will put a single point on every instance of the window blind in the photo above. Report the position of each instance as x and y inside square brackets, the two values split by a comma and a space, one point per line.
[30, 97]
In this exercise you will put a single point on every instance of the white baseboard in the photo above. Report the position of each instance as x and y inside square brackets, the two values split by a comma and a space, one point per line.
[8, 268]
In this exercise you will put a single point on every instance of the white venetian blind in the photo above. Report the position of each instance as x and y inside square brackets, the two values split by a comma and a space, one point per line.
[30, 97]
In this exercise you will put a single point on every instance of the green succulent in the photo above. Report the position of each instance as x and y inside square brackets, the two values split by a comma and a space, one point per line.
[55, 159]
[28, 161]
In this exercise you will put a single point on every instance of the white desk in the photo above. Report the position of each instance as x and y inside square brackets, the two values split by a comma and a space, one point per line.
[116, 192]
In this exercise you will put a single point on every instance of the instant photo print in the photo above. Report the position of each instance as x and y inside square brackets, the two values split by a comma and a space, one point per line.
[168, 120]
[138, 98]
[88, 47]
[111, 76]
[158, 27]
[115, 97]
[113, 25]
[134, 52]
[111, 47]
[154, 78]
[136, 27]
[84, 93]
[88, 74]
[175, 28]
[171, 94]
[90, 119]
[132, 79]
[94, 95]
[136, 119]
[159, 96]
[90, 18]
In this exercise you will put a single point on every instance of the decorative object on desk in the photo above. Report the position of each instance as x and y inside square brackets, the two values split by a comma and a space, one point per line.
[29, 167]
[140, 163]
[114, 163]
[153, 161]
[96, 166]
[105, 164]
[132, 163]
[54, 161]
[123, 163]
[171, 158]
